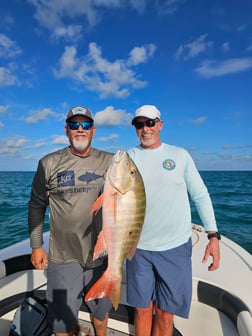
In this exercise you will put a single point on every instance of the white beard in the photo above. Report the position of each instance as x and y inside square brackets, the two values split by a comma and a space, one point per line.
[147, 142]
[80, 145]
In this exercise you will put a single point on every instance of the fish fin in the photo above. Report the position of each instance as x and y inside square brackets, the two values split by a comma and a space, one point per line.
[97, 205]
[100, 249]
[106, 286]
[132, 250]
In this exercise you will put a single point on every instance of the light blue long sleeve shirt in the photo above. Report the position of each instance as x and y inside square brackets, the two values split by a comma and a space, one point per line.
[170, 176]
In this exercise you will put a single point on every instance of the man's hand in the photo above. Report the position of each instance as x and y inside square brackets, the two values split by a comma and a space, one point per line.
[213, 250]
[39, 258]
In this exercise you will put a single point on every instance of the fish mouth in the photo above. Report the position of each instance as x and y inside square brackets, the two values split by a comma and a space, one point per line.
[117, 180]
[119, 156]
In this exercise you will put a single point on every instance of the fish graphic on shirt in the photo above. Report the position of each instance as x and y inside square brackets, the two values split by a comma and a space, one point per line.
[89, 177]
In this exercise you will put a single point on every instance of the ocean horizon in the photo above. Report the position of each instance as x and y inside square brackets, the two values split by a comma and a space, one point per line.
[230, 191]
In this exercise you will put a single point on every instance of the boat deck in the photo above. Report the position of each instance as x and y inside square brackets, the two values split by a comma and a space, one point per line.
[221, 302]
[205, 321]
[198, 325]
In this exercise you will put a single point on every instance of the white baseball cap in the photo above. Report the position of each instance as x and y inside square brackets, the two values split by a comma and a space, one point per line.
[148, 111]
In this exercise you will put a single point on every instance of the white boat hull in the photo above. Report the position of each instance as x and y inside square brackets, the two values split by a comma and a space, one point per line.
[221, 303]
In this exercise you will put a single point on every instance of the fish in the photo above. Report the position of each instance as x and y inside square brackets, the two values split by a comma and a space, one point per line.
[88, 177]
[123, 204]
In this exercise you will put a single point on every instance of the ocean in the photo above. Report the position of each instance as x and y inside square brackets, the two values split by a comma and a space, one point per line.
[231, 194]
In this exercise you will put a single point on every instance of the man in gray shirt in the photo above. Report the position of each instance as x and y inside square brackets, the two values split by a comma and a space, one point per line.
[69, 181]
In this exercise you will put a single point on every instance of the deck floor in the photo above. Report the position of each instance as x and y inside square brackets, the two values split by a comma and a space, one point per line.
[200, 324]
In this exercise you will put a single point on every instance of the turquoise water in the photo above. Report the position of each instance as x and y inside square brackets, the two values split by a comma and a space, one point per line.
[15, 190]
[231, 194]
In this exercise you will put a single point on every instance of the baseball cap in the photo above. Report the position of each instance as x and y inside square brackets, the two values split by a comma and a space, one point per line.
[79, 110]
[148, 111]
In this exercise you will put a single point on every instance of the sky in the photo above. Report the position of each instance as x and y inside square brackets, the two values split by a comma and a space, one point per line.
[192, 59]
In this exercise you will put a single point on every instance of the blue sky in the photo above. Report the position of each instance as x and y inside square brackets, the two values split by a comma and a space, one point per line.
[192, 59]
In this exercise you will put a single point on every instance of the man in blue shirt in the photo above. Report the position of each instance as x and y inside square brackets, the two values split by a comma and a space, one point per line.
[163, 257]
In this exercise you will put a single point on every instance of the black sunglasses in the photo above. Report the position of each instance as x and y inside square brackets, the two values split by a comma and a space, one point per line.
[148, 123]
[74, 125]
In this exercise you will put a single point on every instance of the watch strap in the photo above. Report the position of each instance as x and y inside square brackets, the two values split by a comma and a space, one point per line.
[214, 235]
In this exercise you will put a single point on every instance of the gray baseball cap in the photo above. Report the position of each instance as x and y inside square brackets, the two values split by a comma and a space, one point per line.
[79, 110]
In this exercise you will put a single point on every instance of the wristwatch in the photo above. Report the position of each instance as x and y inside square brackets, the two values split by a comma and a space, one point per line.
[215, 234]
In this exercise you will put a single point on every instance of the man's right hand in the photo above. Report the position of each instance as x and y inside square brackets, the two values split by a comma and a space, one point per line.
[39, 258]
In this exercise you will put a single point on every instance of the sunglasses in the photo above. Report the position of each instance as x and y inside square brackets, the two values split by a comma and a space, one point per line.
[74, 125]
[148, 123]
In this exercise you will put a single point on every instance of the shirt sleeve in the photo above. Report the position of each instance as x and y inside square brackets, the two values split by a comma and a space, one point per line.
[37, 207]
[199, 194]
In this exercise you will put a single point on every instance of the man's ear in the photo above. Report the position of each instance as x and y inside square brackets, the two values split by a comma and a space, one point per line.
[160, 125]
[94, 131]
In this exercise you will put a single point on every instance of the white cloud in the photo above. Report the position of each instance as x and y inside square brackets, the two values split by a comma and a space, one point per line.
[199, 120]
[71, 32]
[15, 142]
[138, 5]
[61, 18]
[241, 28]
[64, 19]
[7, 78]
[12, 146]
[51, 15]
[210, 69]
[12, 71]
[111, 117]
[165, 7]
[249, 48]
[38, 115]
[39, 144]
[193, 48]
[8, 21]
[228, 146]
[226, 46]
[60, 140]
[109, 138]
[179, 52]
[236, 157]
[3, 108]
[140, 55]
[8, 48]
[98, 74]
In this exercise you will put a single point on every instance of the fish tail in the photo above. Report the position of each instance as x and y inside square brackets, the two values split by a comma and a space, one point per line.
[106, 286]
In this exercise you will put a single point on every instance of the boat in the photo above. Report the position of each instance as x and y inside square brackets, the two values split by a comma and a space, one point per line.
[221, 302]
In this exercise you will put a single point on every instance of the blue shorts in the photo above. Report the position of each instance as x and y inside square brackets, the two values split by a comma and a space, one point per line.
[65, 285]
[163, 277]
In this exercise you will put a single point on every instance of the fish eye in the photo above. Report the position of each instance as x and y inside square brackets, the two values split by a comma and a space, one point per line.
[133, 172]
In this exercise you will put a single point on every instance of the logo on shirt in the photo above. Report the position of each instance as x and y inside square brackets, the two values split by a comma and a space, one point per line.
[89, 177]
[169, 164]
[65, 178]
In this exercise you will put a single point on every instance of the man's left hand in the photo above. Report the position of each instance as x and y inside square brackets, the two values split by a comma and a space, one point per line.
[213, 250]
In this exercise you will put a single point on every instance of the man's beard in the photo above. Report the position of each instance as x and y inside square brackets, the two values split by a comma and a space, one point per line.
[80, 145]
[147, 142]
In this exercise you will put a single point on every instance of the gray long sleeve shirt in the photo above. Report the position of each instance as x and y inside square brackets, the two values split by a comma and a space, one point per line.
[68, 184]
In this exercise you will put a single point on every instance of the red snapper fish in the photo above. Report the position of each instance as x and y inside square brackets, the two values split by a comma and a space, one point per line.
[123, 210]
